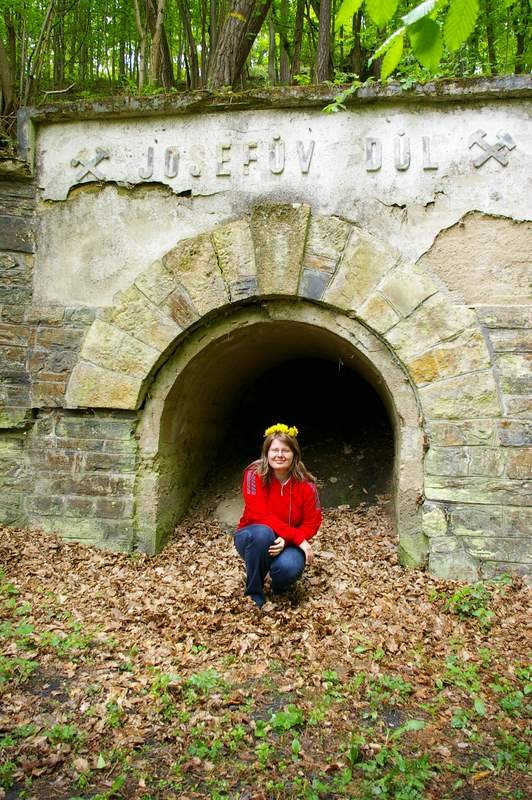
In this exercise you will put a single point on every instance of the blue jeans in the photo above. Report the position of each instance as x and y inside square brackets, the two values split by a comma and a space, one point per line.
[252, 543]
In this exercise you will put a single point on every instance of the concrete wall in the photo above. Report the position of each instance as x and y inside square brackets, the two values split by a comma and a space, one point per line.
[133, 235]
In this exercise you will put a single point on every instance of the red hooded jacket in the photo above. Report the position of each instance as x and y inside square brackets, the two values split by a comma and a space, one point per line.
[292, 510]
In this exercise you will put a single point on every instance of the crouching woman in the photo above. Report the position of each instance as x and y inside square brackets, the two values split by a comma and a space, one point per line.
[281, 514]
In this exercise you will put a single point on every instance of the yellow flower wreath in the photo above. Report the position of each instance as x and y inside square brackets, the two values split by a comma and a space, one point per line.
[280, 427]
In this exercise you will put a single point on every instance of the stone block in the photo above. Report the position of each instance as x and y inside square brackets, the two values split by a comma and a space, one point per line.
[91, 386]
[413, 550]
[12, 418]
[465, 396]
[79, 316]
[279, 234]
[194, 265]
[505, 316]
[326, 240]
[91, 426]
[313, 283]
[434, 321]
[12, 314]
[233, 244]
[514, 434]
[85, 484]
[17, 335]
[406, 287]
[453, 461]
[515, 373]
[477, 490]
[16, 233]
[519, 463]
[115, 534]
[45, 315]
[15, 295]
[363, 264]
[517, 521]
[156, 282]
[48, 394]
[519, 406]
[434, 520]
[378, 313]
[138, 316]
[516, 341]
[466, 353]
[476, 520]
[462, 432]
[510, 549]
[486, 461]
[111, 348]
[180, 308]
[450, 562]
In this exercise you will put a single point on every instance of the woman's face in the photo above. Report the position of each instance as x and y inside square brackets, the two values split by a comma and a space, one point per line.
[280, 456]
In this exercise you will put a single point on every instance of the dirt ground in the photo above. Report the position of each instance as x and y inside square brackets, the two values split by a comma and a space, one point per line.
[125, 676]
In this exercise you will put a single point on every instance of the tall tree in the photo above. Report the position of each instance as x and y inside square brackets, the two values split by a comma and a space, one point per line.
[240, 28]
[324, 43]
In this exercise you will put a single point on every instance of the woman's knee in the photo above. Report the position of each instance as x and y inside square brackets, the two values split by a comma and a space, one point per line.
[262, 535]
[288, 566]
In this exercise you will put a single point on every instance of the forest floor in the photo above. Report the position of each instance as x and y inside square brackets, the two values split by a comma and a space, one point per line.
[125, 676]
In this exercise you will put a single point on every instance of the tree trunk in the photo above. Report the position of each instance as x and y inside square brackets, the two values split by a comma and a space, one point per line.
[284, 60]
[490, 38]
[521, 22]
[239, 30]
[36, 61]
[324, 43]
[272, 51]
[6, 83]
[165, 76]
[192, 60]
[141, 30]
[295, 66]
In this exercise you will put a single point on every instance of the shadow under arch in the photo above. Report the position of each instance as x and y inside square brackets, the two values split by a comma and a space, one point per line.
[191, 398]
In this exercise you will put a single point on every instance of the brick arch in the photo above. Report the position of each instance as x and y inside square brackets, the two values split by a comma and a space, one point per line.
[282, 250]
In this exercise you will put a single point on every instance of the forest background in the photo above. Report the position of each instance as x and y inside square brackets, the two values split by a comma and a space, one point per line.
[65, 49]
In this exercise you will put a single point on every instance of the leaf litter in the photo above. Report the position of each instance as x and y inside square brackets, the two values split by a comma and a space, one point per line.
[128, 676]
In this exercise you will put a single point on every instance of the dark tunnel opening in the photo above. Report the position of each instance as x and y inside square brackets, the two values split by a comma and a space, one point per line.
[344, 430]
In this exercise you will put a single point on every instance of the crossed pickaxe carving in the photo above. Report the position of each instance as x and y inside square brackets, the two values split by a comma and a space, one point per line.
[499, 151]
[90, 167]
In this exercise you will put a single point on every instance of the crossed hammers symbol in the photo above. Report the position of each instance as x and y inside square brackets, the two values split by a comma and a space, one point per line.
[498, 151]
[90, 167]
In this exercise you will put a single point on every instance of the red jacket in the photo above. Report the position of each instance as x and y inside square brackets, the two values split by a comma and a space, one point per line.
[292, 511]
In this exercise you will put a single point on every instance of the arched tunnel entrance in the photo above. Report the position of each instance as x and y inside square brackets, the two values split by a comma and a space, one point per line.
[208, 407]
[344, 429]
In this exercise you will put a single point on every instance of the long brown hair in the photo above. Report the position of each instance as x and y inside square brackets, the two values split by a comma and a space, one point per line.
[297, 470]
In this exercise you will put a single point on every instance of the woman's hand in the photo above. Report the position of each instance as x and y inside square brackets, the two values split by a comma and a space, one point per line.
[307, 549]
[277, 547]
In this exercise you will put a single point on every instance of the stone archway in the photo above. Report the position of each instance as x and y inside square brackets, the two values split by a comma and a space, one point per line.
[321, 266]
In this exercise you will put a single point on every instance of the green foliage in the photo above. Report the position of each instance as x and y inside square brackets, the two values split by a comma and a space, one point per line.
[282, 721]
[381, 11]
[7, 769]
[16, 670]
[472, 601]
[426, 40]
[62, 734]
[460, 22]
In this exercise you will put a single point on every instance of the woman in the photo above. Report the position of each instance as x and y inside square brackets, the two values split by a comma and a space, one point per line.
[281, 514]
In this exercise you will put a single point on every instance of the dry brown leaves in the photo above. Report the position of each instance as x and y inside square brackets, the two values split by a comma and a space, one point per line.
[183, 612]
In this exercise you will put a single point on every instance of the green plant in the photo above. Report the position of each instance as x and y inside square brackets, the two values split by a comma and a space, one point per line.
[263, 751]
[62, 734]
[114, 715]
[391, 689]
[16, 670]
[285, 720]
[70, 645]
[7, 770]
[460, 674]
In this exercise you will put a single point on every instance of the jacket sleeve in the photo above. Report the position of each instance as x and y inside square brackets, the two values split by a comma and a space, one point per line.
[257, 510]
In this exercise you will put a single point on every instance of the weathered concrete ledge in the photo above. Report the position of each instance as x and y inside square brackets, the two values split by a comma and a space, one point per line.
[203, 101]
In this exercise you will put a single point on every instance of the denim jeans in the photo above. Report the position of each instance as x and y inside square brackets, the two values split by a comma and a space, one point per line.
[252, 543]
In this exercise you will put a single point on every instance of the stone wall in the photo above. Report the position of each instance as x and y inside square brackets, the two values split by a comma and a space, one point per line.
[401, 218]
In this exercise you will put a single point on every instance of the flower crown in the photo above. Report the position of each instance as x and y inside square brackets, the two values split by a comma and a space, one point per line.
[279, 427]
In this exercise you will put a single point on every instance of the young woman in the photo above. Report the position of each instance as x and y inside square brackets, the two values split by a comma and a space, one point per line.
[281, 514]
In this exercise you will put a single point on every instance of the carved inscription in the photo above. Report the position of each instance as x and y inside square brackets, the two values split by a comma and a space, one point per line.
[402, 153]
[230, 159]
